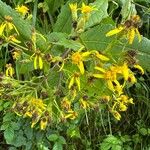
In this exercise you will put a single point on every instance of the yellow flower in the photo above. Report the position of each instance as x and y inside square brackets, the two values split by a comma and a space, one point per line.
[43, 123]
[125, 71]
[13, 39]
[78, 58]
[16, 54]
[38, 62]
[38, 103]
[132, 78]
[129, 28]
[125, 99]
[86, 8]
[7, 25]
[9, 70]
[108, 75]
[116, 115]
[74, 10]
[122, 107]
[66, 104]
[75, 79]
[84, 103]
[23, 10]
[71, 115]
[139, 68]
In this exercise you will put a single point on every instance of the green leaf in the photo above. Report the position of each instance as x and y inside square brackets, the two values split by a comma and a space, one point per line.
[57, 146]
[64, 20]
[62, 140]
[9, 135]
[99, 14]
[143, 131]
[8, 117]
[53, 137]
[73, 132]
[62, 39]
[111, 142]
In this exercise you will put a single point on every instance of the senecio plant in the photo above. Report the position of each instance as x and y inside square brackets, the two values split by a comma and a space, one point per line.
[46, 87]
[75, 100]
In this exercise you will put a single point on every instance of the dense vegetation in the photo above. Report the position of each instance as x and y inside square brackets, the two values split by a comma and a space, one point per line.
[74, 75]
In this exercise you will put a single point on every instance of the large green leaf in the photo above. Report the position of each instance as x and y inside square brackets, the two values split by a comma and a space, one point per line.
[62, 39]
[63, 23]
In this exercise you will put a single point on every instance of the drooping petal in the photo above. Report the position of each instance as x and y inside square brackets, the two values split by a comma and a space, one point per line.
[115, 31]
[131, 35]
[101, 76]
[40, 62]
[102, 57]
[125, 71]
[2, 27]
[71, 82]
[139, 68]
[81, 67]
[110, 85]
[85, 54]
[100, 69]
[35, 62]
[78, 83]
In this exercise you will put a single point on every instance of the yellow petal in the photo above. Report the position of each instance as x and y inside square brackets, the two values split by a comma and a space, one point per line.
[98, 76]
[131, 35]
[139, 68]
[102, 57]
[81, 67]
[86, 54]
[116, 115]
[78, 83]
[43, 123]
[11, 71]
[40, 63]
[13, 39]
[100, 69]
[9, 26]
[2, 27]
[125, 71]
[114, 31]
[71, 82]
[110, 85]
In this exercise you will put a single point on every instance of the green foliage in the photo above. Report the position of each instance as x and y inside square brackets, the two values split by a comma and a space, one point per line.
[50, 96]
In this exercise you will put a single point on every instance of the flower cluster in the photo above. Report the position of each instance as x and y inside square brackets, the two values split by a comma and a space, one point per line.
[6, 29]
[79, 22]
[33, 108]
[114, 75]
[129, 29]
